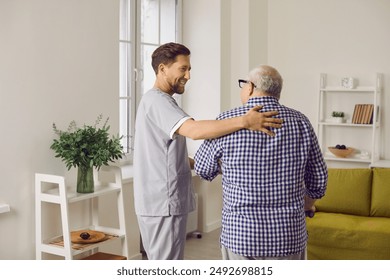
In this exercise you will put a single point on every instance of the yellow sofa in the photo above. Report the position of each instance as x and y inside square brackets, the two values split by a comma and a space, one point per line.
[352, 221]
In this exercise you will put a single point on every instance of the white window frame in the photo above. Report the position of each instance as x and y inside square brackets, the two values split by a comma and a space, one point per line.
[131, 70]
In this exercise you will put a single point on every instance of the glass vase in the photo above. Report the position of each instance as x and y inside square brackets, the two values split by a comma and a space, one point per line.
[85, 183]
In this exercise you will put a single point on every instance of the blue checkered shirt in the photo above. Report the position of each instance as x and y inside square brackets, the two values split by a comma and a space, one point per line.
[264, 181]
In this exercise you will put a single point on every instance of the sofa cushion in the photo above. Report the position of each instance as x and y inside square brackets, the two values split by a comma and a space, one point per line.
[380, 198]
[347, 237]
[348, 192]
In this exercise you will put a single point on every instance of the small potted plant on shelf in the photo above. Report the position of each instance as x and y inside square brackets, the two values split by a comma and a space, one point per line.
[338, 117]
[86, 148]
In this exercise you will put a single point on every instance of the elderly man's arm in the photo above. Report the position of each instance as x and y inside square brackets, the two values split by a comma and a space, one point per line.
[309, 204]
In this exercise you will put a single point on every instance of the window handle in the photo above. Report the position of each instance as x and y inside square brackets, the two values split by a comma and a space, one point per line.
[138, 75]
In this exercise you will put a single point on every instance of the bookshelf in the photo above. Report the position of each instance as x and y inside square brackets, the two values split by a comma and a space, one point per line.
[361, 127]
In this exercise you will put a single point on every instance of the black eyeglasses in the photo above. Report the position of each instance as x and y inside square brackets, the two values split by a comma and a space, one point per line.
[241, 82]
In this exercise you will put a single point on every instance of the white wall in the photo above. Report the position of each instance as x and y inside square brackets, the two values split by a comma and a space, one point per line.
[248, 45]
[202, 99]
[225, 44]
[301, 38]
[202, 35]
[58, 62]
[342, 38]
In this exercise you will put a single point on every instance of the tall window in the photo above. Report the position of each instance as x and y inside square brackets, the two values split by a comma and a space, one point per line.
[144, 25]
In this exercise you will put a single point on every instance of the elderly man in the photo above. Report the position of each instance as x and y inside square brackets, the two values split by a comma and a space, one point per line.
[268, 182]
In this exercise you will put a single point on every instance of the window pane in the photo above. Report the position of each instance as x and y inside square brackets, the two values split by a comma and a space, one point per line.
[124, 21]
[150, 21]
[144, 25]
[168, 21]
[125, 70]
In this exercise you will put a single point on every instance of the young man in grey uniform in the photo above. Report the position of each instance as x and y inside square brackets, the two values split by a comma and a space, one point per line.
[162, 174]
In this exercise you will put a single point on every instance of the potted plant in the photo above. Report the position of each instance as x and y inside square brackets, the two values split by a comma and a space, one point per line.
[86, 148]
[338, 117]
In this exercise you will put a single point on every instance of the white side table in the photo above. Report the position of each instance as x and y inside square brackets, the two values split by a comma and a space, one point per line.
[52, 189]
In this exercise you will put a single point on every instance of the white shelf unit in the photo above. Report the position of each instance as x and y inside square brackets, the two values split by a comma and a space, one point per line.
[364, 138]
[381, 164]
[52, 189]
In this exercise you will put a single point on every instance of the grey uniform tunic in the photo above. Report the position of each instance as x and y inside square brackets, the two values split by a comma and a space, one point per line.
[162, 174]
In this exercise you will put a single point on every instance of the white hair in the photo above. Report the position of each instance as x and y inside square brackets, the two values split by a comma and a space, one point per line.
[267, 79]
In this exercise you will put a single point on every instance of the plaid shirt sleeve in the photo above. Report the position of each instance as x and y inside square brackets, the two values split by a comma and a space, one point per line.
[316, 175]
[207, 160]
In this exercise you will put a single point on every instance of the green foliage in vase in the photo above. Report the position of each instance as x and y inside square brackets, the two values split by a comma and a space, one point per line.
[87, 146]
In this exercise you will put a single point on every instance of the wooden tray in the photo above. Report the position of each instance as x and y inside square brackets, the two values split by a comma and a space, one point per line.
[95, 236]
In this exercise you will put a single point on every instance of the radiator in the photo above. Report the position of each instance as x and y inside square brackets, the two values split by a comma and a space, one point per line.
[192, 220]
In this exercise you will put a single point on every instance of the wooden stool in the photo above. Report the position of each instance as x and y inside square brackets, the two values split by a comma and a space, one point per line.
[104, 256]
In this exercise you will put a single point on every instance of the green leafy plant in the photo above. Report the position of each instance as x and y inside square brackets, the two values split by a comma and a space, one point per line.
[338, 114]
[87, 146]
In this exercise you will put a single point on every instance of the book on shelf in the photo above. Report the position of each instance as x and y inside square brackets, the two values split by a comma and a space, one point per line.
[356, 114]
[363, 114]
[370, 114]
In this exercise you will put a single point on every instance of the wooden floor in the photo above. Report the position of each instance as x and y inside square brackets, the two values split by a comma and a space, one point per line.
[204, 248]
